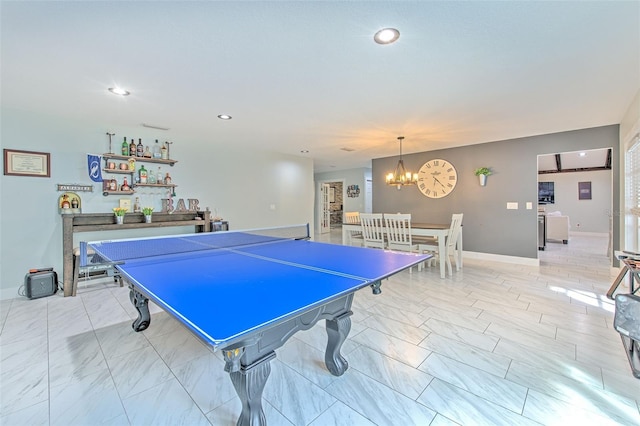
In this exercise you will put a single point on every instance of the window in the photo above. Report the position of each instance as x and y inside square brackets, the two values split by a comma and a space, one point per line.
[632, 195]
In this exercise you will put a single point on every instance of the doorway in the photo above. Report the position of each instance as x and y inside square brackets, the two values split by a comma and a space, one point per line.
[578, 186]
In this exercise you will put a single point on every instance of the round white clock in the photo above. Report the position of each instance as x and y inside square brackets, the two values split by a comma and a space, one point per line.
[437, 178]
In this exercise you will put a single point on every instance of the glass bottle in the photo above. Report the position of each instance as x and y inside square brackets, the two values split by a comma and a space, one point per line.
[151, 177]
[125, 186]
[167, 179]
[132, 148]
[139, 149]
[143, 174]
[147, 153]
[164, 152]
[125, 148]
[156, 150]
[159, 180]
[136, 205]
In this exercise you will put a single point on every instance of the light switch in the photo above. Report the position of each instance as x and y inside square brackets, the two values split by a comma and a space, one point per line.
[512, 206]
[529, 205]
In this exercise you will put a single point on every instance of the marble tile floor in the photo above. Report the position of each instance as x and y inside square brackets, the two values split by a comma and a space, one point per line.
[496, 344]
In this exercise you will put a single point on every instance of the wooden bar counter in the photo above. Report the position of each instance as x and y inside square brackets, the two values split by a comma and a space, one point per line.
[95, 222]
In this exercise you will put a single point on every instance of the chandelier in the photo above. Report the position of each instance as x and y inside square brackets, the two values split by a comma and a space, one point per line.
[401, 176]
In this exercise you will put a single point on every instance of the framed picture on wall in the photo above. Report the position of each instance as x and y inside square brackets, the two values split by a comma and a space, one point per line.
[26, 163]
[584, 190]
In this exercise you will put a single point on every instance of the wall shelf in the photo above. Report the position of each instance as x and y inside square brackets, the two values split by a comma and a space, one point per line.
[142, 159]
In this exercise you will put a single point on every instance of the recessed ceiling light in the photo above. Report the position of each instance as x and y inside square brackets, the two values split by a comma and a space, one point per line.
[119, 91]
[386, 36]
[224, 117]
[582, 154]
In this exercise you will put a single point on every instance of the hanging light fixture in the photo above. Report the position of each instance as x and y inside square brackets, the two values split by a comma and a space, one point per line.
[401, 176]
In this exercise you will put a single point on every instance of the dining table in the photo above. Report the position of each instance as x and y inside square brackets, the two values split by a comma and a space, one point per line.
[419, 229]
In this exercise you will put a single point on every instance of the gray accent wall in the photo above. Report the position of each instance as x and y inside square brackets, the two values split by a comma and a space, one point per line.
[488, 226]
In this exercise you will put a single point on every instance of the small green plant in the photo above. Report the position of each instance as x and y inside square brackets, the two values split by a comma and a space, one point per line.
[119, 211]
[147, 210]
[483, 171]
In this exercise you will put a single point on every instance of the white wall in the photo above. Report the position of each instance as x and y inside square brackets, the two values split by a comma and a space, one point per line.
[241, 186]
[349, 177]
[584, 215]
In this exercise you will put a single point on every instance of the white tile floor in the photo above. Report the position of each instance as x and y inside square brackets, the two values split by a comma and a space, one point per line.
[496, 344]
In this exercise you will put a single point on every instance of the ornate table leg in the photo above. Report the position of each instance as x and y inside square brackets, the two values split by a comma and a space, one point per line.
[141, 304]
[249, 382]
[337, 329]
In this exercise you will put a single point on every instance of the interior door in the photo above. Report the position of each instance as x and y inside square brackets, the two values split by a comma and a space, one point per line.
[325, 213]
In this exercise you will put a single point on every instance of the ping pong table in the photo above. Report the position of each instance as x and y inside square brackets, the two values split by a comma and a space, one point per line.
[247, 292]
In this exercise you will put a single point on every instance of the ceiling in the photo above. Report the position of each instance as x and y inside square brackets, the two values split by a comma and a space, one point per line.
[588, 160]
[307, 75]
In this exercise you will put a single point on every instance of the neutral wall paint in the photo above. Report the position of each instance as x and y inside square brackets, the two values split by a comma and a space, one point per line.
[584, 215]
[488, 226]
[242, 187]
[350, 177]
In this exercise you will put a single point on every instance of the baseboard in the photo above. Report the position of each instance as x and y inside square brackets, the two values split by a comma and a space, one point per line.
[588, 234]
[9, 293]
[500, 258]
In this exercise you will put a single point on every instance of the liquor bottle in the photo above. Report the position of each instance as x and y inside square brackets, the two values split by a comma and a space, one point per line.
[140, 149]
[143, 174]
[156, 150]
[147, 153]
[159, 179]
[125, 148]
[167, 179]
[136, 205]
[164, 152]
[132, 148]
[125, 186]
[151, 177]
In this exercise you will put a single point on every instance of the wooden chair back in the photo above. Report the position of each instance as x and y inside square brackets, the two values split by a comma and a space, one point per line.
[372, 230]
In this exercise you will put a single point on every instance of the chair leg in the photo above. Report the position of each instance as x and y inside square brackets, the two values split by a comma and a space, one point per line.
[449, 268]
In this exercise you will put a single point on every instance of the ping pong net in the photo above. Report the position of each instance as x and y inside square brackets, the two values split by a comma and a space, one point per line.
[119, 251]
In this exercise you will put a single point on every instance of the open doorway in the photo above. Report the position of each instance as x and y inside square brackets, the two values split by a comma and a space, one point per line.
[575, 196]
[329, 203]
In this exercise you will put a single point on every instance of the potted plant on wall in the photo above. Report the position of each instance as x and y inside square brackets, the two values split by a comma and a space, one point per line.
[482, 173]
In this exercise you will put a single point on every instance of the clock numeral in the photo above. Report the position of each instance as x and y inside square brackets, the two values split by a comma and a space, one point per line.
[452, 178]
[428, 191]
[449, 169]
[449, 185]
[435, 193]
[422, 186]
[436, 163]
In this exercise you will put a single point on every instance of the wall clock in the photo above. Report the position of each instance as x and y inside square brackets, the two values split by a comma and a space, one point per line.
[437, 178]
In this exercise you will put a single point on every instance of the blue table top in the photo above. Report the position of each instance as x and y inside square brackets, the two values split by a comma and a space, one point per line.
[224, 294]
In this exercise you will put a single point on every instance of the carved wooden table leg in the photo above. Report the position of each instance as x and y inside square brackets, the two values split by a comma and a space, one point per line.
[337, 330]
[249, 382]
[141, 304]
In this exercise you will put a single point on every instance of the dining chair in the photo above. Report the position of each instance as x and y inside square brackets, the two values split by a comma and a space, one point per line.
[398, 227]
[372, 230]
[450, 244]
[353, 218]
